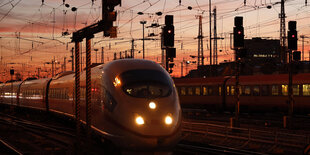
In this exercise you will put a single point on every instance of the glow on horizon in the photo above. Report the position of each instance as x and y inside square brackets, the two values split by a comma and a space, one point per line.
[30, 38]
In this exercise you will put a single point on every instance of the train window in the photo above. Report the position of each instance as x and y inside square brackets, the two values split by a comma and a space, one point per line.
[232, 90]
[306, 89]
[264, 90]
[296, 90]
[150, 84]
[247, 90]
[220, 90]
[284, 89]
[189, 91]
[204, 90]
[274, 90]
[183, 91]
[210, 90]
[227, 90]
[240, 90]
[256, 90]
[197, 90]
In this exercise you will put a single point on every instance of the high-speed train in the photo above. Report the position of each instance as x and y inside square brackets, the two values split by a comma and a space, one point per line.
[258, 93]
[134, 102]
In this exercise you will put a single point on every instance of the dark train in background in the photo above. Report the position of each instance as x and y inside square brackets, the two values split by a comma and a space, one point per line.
[134, 102]
[258, 93]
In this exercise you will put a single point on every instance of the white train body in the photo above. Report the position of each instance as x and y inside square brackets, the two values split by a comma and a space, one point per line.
[134, 102]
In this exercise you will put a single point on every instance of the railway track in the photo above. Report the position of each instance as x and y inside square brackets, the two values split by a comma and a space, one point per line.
[259, 140]
[190, 148]
[7, 148]
[24, 137]
[20, 136]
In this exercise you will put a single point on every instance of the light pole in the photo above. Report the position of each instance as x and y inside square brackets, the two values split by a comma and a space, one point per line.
[143, 22]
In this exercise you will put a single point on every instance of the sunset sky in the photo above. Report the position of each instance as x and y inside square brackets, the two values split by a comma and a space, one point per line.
[31, 30]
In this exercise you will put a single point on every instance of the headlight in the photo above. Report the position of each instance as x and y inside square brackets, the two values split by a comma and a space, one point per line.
[168, 120]
[117, 82]
[139, 120]
[152, 105]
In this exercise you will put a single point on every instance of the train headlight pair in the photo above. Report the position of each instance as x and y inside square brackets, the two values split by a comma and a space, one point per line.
[140, 120]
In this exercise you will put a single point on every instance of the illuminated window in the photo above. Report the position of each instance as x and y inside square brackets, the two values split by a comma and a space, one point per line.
[189, 91]
[306, 89]
[284, 90]
[296, 90]
[274, 90]
[197, 90]
[240, 90]
[220, 90]
[183, 91]
[256, 90]
[227, 90]
[204, 90]
[247, 90]
[232, 90]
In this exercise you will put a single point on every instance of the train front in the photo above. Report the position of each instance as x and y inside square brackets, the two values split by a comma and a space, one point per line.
[144, 106]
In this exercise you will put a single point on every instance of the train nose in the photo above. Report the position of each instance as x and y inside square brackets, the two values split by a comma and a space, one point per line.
[155, 118]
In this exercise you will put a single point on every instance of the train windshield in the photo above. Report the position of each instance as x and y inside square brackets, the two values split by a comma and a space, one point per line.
[146, 83]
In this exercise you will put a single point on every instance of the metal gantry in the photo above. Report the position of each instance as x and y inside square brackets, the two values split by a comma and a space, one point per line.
[105, 25]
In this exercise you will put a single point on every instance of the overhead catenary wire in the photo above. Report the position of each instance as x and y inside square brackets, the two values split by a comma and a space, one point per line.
[13, 6]
[185, 22]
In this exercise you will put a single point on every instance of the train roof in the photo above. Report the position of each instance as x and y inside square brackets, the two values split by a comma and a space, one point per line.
[247, 80]
[119, 66]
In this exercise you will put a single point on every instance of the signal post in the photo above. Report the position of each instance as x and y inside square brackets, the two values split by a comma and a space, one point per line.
[292, 45]
[168, 42]
[239, 54]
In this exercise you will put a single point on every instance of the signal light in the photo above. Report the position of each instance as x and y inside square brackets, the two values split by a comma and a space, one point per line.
[296, 56]
[238, 37]
[109, 29]
[238, 33]
[168, 32]
[292, 40]
[292, 36]
[170, 52]
[168, 36]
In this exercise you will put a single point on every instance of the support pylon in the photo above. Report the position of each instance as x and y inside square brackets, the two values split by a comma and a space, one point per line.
[200, 43]
[215, 38]
[282, 33]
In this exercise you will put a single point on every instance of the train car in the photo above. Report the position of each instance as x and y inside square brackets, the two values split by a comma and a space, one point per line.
[33, 93]
[258, 93]
[60, 94]
[1, 92]
[10, 92]
[134, 102]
